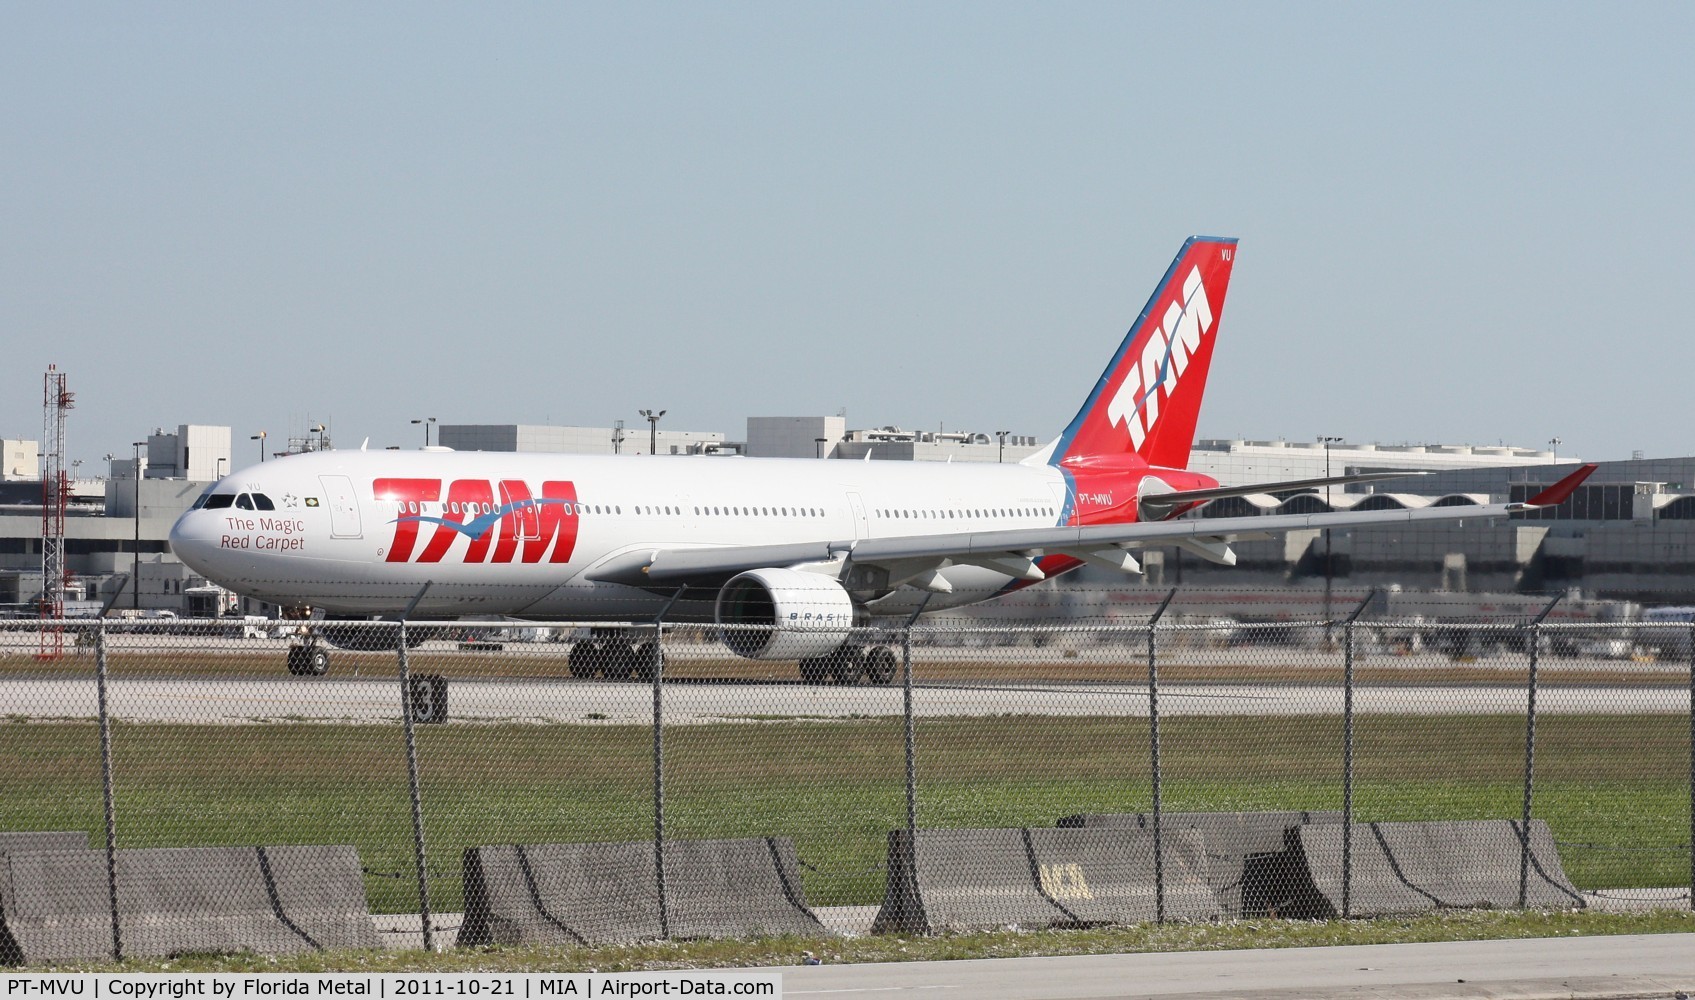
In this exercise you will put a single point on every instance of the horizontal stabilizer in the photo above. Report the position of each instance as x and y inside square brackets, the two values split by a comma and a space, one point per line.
[1161, 504]
[1556, 494]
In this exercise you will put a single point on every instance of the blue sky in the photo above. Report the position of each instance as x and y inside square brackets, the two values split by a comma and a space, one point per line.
[1458, 222]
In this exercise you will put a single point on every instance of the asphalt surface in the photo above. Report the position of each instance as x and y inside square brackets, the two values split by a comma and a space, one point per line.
[232, 700]
[1591, 967]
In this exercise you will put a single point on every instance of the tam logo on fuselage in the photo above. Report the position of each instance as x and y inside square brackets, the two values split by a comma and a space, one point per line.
[1164, 358]
[501, 520]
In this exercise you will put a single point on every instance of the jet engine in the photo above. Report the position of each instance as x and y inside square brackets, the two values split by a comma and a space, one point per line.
[783, 614]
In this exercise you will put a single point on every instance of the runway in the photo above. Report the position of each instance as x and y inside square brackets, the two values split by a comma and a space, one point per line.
[267, 699]
[1657, 965]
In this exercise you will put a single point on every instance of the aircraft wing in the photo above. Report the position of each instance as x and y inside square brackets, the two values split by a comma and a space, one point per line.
[1014, 551]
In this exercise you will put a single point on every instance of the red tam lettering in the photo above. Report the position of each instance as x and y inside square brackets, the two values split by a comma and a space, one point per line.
[466, 499]
[407, 495]
[556, 523]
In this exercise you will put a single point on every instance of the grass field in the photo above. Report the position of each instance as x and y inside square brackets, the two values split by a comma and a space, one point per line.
[1614, 788]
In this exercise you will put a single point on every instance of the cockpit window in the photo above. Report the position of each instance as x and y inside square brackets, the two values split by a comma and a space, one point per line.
[263, 502]
[245, 501]
[217, 501]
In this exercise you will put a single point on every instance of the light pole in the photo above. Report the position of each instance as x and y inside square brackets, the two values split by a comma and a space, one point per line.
[319, 430]
[1554, 446]
[218, 468]
[818, 443]
[1002, 435]
[135, 582]
[617, 437]
[426, 421]
[1327, 441]
[652, 429]
[259, 437]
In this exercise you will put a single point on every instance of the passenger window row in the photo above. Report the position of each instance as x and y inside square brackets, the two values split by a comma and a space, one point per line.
[759, 511]
[934, 514]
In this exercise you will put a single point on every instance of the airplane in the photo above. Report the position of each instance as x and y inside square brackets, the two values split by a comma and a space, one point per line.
[785, 556]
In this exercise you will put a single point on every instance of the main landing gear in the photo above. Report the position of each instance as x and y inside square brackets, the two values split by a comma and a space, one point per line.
[614, 657]
[309, 660]
[851, 664]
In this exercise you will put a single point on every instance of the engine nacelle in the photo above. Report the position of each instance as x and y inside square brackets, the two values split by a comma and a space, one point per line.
[783, 614]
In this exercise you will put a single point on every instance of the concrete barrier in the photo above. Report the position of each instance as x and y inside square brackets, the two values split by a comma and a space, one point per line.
[1102, 876]
[1034, 878]
[565, 894]
[1234, 842]
[1403, 868]
[54, 905]
[560, 894]
[43, 840]
[271, 900]
[1278, 819]
[736, 888]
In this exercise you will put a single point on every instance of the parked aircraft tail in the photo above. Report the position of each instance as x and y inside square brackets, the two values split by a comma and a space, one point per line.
[1147, 401]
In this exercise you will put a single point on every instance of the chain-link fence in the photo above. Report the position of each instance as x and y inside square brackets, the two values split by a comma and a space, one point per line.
[889, 775]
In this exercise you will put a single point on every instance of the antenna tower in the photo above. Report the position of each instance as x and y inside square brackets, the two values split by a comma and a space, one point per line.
[55, 493]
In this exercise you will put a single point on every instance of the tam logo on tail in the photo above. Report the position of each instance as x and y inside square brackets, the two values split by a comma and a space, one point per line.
[1148, 400]
[1164, 359]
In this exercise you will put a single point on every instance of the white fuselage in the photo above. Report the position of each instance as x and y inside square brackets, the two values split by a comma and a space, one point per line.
[357, 532]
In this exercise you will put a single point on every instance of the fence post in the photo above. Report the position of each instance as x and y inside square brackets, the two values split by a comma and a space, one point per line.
[911, 745]
[1348, 755]
[659, 761]
[1534, 629]
[659, 774]
[106, 787]
[1154, 766]
[416, 790]
[911, 735]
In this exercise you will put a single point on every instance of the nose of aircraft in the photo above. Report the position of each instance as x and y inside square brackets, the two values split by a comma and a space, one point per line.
[194, 539]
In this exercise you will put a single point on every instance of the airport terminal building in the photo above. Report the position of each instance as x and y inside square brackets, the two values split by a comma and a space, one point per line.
[1627, 534]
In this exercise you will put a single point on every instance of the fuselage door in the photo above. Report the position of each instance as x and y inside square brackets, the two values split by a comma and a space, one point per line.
[861, 528]
[522, 520]
[1059, 500]
[344, 507]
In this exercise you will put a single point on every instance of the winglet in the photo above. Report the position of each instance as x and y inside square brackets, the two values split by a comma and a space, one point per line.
[1557, 493]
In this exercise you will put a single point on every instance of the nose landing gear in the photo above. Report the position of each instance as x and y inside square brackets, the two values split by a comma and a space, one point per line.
[309, 660]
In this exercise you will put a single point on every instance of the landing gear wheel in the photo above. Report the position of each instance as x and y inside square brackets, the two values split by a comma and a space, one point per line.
[847, 665]
[620, 659]
[647, 661]
[881, 665]
[584, 660]
[308, 661]
[814, 669]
